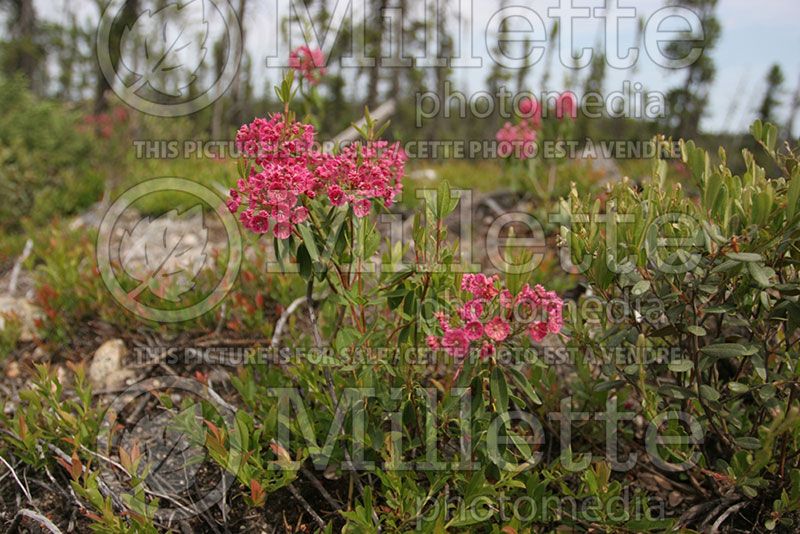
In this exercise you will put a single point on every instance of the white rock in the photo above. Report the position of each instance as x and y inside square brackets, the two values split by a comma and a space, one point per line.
[106, 370]
[24, 311]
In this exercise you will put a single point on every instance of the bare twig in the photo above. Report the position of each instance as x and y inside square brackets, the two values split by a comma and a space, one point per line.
[19, 483]
[732, 510]
[219, 400]
[284, 319]
[306, 506]
[223, 311]
[39, 518]
[384, 111]
[317, 484]
[12, 285]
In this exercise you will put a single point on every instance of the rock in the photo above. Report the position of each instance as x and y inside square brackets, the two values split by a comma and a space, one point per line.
[12, 370]
[40, 354]
[106, 370]
[25, 312]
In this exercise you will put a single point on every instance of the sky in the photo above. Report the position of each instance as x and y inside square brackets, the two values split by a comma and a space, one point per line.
[755, 35]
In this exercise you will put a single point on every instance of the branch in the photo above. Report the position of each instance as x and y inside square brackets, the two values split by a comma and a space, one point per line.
[306, 506]
[284, 319]
[30, 514]
[12, 285]
[14, 474]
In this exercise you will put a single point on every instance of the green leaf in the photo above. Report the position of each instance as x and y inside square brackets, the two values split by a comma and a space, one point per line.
[524, 385]
[308, 239]
[707, 392]
[728, 350]
[304, 262]
[760, 367]
[675, 392]
[760, 274]
[749, 443]
[750, 491]
[608, 385]
[681, 366]
[499, 389]
[745, 257]
[641, 287]
[738, 387]
[698, 331]
[792, 197]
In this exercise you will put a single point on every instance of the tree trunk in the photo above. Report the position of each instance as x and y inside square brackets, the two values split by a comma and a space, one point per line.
[376, 38]
[794, 107]
[27, 31]
[236, 84]
[130, 12]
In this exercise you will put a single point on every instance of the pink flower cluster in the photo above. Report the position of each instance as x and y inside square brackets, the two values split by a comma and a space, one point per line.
[364, 172]
[309, 63]
[520, 139]
[494, 314]
[285, 170]
[531, 111]
[567, 106]
[517, 139]
[105, 124]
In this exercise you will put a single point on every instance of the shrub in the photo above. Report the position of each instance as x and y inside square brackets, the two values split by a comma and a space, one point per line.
[46, 160]
[710, 285]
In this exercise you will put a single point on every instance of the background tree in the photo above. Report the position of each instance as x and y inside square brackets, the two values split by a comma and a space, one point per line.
[688, 103]
[25, 52]
[128, 15]
[775, 81]
[499, 76]
[794, 107]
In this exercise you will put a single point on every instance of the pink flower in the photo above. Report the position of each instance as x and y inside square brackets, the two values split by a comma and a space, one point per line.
[336, 195]
[456, 342]
[527, 106]
[281, 213]
[234, 201]
[567, 106]
[474, 330]
[471, 310]
[531, 111]
[310, 63]
[506, 299]
[299, 215]
[480, 285]
[497, 329]
[526, 141]
[259, 223]
[538, 331]
[362, 208]
[555, 317]
[433, 343]
[441, 317]
[487, 350]
[507, 134]
[282, 230]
